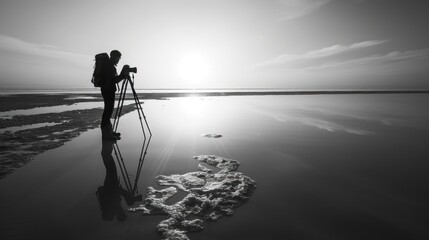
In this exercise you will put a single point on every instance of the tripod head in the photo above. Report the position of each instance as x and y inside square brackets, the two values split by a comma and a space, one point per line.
[130, 77]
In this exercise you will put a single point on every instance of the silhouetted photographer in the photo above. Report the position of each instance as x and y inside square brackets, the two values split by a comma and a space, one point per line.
[107, 77]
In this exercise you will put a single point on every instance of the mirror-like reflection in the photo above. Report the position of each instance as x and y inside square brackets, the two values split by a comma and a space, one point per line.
[315, 178]
[131, 187]
[111, 193]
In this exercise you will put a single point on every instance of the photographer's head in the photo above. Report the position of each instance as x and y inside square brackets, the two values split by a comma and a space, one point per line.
[115, 56]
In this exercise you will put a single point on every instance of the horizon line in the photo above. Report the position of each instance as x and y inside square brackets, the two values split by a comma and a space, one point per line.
[218, 89]
[157, 93]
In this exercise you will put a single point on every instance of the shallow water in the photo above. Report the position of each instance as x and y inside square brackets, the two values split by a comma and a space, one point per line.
[53, 109]
[326, 167]
[27, 127]
[56, 109]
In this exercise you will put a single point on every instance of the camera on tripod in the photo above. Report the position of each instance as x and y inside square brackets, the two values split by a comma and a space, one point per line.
[127, 69]
[129, 81]
[132, 69]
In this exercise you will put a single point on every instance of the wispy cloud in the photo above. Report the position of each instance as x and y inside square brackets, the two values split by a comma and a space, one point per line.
[337, 49]
[356, 57]
[320, 56]
[16, 45]
[391, 57]
[290, 9]
[367, 64]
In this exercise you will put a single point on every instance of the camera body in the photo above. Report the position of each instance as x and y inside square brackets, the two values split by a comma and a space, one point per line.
[129, 69]
[132, 69]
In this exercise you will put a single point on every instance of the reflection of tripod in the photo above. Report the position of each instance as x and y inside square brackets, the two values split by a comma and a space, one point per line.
[125, 83]
[110, 194]
[132, 189]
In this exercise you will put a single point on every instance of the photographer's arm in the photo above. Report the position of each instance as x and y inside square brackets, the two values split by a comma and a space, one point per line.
[119, 78]
[124, 74]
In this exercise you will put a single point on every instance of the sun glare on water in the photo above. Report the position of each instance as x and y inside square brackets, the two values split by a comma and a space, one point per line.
[194, 70]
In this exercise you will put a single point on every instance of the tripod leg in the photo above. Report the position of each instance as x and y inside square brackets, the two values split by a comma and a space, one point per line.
[140, 111]
[120, 105]
[141, 161]
[122, 167]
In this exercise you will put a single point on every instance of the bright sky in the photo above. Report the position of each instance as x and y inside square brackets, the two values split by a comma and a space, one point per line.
[305, 44]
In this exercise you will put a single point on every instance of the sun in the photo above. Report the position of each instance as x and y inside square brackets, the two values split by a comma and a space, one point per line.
[194, 70]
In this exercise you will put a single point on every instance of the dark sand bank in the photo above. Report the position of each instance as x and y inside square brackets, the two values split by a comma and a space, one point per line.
[20, 147]
[28, 101]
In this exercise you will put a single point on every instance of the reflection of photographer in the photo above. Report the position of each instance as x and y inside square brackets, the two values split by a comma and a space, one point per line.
[108, 80]
[110, 194]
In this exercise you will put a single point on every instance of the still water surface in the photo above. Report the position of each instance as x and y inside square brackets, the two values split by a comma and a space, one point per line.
[326, 167]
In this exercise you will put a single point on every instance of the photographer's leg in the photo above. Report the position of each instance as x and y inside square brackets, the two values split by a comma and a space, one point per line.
[106, 125]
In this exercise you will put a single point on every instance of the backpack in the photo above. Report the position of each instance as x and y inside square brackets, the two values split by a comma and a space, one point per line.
[100, 59]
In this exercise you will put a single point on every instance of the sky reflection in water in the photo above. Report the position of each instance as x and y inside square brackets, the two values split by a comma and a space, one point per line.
[320, 162]
[326, 167]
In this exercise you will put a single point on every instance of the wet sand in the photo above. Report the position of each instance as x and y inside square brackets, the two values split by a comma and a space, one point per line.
[326, 167]
[19, 147]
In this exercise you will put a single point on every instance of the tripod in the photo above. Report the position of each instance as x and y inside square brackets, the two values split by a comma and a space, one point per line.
[129, 81]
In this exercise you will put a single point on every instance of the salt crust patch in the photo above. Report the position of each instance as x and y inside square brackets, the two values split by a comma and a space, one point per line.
[209, 196]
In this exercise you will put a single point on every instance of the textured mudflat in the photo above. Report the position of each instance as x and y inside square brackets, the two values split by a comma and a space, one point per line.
[20, 147]
[28, 101]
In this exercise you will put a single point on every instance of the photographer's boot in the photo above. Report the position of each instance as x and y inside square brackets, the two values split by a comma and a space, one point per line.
[109, 138]
[107, 135]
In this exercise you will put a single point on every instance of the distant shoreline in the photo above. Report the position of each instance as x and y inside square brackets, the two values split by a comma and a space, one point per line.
[15, 101]
[220, 92]
[262, 93]
[211, 92]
